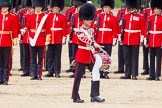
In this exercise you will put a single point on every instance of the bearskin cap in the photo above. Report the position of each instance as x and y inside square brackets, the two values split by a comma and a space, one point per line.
[80, 2]
[132, 4]
[58, 3]
[36, 3]
[110, 3]
[87, 12]
[156, 4]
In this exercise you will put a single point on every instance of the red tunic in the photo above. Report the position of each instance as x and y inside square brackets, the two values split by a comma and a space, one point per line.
[72, 11]
[56, 26]
[77, 24]
[84, 54]
[32, 25]
[107, 29]
[155, 37]
[8, 29]
[134, 28]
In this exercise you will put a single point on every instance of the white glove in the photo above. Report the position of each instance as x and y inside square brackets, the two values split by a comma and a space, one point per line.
[141, 39]
[47, 43]
[145, 41]
[32, 43]
[23, 31]
[114, 41]
[119, 37]
[64, 40]
[68, 38]
[19, 37]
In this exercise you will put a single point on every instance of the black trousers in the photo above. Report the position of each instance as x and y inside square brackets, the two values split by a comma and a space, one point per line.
[120, 58]
[5, 54]
[107, 48]
[70, 52]
[131, 56]
[21, 55]
[74, 50]
[26, 58]
[155, 55]
[145, 59]
[78, 75]
[36, 54]
[54, 58]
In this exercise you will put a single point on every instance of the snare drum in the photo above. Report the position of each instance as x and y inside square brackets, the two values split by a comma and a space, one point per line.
[106, 61]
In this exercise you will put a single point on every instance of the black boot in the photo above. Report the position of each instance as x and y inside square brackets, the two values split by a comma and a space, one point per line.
[33, 72]
[95, 85]
[5, 76]
[38, 72]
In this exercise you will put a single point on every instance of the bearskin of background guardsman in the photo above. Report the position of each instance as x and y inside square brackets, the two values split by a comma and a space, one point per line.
[86, 40]
[37, 44]
[121, 12]
[56, 36]
[134, 30]
[154, 39]
[8, 37]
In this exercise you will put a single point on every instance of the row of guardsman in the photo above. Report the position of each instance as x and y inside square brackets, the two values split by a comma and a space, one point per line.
[42, 34]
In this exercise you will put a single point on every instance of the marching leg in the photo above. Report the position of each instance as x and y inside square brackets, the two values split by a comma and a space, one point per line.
[76, 85]
[95, 83]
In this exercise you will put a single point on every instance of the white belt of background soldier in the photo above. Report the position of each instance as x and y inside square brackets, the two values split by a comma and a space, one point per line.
[105, 29]
[56, 29]
[155, 32]
[132, 31]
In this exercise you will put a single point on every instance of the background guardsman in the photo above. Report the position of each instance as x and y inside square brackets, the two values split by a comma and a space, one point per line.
[21, 12]
[75, 23]
[8, 33]
[134, 32]
[107, 32]
[69, 13]
[56, 36]
[25, 40]
[86, 41]
[147, 12]
[120, 14]
[154, 38]
[36, 27]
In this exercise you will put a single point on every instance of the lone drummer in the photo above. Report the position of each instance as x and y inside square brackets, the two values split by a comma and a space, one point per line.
[85, 45]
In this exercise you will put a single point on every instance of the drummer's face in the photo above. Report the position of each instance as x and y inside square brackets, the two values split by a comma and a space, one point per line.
[87, 23]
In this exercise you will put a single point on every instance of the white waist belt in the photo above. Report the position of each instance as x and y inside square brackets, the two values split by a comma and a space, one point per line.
[105, 29]
[55, 29]
[132, 31]
[155, 32]
[83, 47]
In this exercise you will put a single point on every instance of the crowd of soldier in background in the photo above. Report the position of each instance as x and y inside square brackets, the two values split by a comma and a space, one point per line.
[41, 35]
